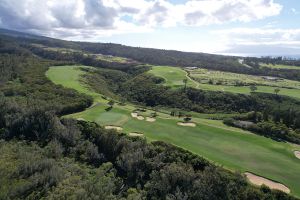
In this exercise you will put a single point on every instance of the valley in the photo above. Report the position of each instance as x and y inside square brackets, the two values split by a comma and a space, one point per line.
[84, 120]
[233, 148]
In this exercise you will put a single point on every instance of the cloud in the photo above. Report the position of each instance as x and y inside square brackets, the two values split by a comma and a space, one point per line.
[95, 18]
[261, 40]
[294, 11]
[261, 35]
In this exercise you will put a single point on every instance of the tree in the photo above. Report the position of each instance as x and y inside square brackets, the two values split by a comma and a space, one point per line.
[276, 91]
[185, 82]
[180, 114]
[111, 103]
[187, 118]
[253, 88]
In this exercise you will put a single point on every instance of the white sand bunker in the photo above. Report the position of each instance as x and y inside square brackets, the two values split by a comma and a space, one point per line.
[258, 180]
[297, 154]
[135, 134]
[150, 119]
[140, 117]
[80, 119]
[118, 128]
[190, 124]
[136, 115]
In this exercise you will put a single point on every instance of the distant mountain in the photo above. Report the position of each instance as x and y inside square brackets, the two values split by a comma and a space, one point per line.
[13, 33]
[262, 50]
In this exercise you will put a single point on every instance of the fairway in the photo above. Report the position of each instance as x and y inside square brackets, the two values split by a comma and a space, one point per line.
[230, 147]
[174, 78]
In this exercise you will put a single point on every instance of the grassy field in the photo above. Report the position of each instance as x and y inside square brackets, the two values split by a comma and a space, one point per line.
[279, 66]
[175, 75]
[230, 147]
[111, 58]
[231, 79]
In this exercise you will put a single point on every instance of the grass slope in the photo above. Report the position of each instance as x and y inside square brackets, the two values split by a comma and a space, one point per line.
[230, 147]
[279, 66]
[175, 75]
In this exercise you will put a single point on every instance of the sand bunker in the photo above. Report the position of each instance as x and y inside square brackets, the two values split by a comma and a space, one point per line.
[190, 124]
[150, 119]
[114, 127]
[258, 180]
[80, 119]
[297, 154]
[135, 134]
[134, 115]
[140, 117]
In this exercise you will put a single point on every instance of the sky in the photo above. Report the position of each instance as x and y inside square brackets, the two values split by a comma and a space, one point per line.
[239, 27]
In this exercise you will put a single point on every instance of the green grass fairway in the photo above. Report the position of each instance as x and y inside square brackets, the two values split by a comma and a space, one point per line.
[279, 66]
[175, 75]
[230, 147]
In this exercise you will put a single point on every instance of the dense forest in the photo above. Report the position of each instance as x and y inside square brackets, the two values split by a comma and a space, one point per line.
[46, 157]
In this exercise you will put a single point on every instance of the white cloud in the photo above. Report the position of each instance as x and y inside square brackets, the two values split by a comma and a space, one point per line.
[294, 11]
[261, 41]
[70, 18]
[260, 36]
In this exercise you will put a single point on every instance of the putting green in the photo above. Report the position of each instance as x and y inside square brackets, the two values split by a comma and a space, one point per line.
[174, 78]
[230, 147]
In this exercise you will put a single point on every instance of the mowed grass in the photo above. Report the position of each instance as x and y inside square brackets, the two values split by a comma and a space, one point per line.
[226, 146]
[175, 75]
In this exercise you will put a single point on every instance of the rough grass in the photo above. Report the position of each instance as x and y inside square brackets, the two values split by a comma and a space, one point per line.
[227, 78]
[230, 147]
[175, 75]
[279, 66]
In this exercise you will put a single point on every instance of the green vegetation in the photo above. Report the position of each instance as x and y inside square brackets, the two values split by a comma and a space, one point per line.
[278, 66]
[71, 75]
[173, 76]
[232, 148]
[47, 156]
[234, 79]
[224, 81]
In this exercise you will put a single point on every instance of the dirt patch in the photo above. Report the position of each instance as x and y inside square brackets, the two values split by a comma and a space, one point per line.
[117, 128]
[150, 119]
[135, 134]
[258, 180]
[190, 124]
[297, 154]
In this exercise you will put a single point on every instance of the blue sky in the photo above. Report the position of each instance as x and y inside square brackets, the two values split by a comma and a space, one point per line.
[264, 27]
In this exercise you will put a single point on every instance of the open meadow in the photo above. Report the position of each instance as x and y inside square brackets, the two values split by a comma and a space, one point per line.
[230, 147]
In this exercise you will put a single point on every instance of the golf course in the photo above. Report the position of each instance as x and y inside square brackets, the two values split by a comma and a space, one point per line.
[199, 79]
[232, 148]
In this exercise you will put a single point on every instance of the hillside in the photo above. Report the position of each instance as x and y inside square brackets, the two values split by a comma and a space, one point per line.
[94, 121]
